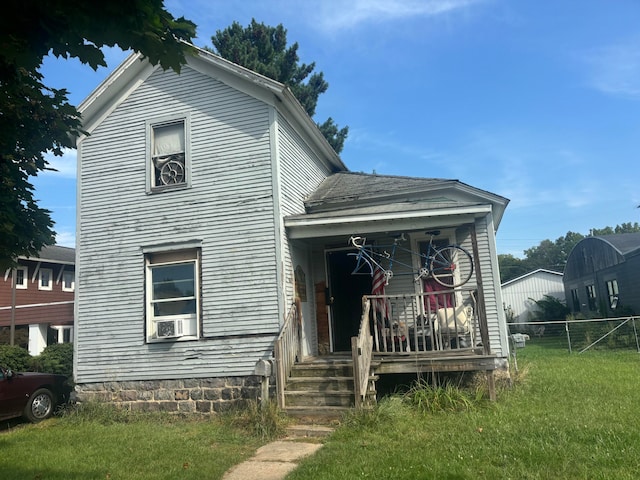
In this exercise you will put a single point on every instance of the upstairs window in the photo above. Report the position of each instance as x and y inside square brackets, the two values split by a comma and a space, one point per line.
[168, 154]
[45, 279]
[21, 277]
[68, 281]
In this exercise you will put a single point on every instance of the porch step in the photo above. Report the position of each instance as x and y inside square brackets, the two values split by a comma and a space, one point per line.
[319, 398]
[317, 415]
[323, 386]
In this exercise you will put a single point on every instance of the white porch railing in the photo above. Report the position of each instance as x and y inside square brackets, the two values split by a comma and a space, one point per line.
[361, 352]
[426, 322]
[286, 350]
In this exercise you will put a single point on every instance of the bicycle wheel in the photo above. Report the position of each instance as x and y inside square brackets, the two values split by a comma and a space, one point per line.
[451, 266]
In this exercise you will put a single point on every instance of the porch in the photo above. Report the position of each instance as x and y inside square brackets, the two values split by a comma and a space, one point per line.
[428, 333]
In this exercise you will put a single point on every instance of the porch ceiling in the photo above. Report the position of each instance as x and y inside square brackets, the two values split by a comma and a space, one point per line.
[383, 218]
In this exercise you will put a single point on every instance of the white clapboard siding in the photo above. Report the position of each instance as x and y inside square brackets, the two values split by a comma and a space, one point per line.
[520, 294]
[229, 208]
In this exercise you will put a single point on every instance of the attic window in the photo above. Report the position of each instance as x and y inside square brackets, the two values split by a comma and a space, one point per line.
[168, 154]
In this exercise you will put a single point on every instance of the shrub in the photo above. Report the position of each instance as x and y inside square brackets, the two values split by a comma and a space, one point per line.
[56, 358]
[14, 357]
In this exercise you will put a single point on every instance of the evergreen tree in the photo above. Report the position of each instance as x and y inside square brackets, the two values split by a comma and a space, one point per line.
[264, 50]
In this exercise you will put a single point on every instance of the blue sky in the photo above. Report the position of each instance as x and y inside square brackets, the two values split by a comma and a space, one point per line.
[536, 101]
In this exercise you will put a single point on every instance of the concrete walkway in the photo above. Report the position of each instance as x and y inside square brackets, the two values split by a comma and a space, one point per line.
[276, 459]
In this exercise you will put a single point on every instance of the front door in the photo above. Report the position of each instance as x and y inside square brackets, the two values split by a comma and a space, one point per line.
[345, 297]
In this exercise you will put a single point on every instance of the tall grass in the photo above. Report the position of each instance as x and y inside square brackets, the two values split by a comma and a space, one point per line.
[568, 417]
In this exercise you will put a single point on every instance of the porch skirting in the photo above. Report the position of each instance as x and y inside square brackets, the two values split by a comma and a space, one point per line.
[190, 395]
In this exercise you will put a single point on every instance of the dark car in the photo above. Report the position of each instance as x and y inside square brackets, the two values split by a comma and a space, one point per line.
[32, 395]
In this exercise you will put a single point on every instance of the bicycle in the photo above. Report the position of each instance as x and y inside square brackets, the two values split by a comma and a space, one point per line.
[451, 266]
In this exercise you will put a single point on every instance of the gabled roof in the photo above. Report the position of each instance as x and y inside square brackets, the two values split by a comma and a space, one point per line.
[135, 69]
[54, 254]
[624, 243]
[531, 274]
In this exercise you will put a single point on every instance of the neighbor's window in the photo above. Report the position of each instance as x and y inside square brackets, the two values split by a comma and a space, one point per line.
[591, 296]
[45, 279]
[575, 300]
[68, 281]
[168, 154]
[22, 277]
[173, 295]
[612, 292]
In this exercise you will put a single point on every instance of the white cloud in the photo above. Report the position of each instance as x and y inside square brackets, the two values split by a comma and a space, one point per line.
[65, 165]
[615, 69]
[66, 239]
[342, 15]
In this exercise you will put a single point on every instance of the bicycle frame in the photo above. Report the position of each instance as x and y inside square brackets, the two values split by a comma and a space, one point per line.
[373, 259]
[439, 263]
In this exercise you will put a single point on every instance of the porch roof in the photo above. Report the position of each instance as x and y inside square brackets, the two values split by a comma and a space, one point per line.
[349, 202]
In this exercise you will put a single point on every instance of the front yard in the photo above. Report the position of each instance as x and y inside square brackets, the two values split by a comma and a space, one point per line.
[569, 416]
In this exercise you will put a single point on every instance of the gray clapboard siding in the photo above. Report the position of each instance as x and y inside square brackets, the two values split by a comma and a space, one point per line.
[491, 288]
[229, 207]
[300, 172]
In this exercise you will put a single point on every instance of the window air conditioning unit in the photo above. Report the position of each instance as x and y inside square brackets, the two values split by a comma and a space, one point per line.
[169, 328]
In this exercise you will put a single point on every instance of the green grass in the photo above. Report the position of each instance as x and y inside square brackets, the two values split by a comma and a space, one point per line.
[568, 417]
[103, 443]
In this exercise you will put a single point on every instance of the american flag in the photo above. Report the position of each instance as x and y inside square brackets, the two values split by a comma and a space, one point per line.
[380, 280]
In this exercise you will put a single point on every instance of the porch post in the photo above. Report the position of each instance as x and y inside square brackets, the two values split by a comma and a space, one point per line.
[482, 314]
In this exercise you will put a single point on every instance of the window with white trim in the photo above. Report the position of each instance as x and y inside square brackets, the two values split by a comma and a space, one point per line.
[169, 163]
[173, 295]
[45, 279]
[22, 277]
[68, 281]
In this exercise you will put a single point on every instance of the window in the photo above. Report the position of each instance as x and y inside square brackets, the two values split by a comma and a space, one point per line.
[173, 295]
[591, 296]
[22, 277]
[575, 300]
[45, 279]
[168, 154]
[612, 292]
[68, 281]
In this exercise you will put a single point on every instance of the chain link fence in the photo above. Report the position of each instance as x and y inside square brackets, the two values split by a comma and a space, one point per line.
[581, 335]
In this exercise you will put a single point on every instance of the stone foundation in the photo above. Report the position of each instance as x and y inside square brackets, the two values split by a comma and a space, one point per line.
[191, 395]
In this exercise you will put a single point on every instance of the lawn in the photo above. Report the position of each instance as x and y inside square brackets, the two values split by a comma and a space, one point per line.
[569, 416]
[116, 446]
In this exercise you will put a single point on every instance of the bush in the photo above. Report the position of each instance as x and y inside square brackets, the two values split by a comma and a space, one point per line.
[14, 357]
[56, 358]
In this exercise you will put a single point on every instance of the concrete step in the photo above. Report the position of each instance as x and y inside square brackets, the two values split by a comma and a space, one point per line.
[309, 430]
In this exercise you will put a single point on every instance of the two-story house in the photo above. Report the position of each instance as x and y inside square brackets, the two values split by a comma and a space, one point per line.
[213, 243]
[40, 301]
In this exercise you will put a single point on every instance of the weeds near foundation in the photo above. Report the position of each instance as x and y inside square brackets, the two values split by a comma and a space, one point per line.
[264, 422]
[446, 398]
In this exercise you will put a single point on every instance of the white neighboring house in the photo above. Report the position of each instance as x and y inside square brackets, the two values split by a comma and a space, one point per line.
[519, 294]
